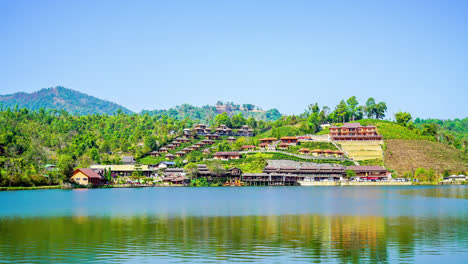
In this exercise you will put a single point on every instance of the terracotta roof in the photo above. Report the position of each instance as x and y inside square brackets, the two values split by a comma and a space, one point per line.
[248, 146]
[352, 125]
[328, 151]
[267, 139]
[169, 155]
[288, 137]
[263, 144]
[304, 150]
[317, 150]
[89, 172]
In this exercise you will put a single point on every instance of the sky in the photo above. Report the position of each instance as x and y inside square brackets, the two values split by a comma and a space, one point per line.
[276, 54]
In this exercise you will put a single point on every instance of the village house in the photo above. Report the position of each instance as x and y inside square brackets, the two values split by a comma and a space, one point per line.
[183, 140]
[289, 140]
[354, 131]
[245, 131]
[268, 140]
[123, 170]
[227, 155]
[170, 156]
[180, 154]
[223, 130]
[208, 142]
[283, 145]
[206, 151]
[248, 147]
[194, 147]
[263, 145]
[231, 139]
[87, 176]
[186, 150]
[212, 136]
[200, 144]
[128, 160]
[171, 146]
[201, 129]
[370, 172]
[304, 151]
[176, 143]
[154, 154]
[163, 150]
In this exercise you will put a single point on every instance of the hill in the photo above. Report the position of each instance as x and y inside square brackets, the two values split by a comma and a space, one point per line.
[207, 113]
[406, 155]
[60, 98]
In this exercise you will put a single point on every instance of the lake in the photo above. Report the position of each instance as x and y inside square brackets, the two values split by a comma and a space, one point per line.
[384, 224]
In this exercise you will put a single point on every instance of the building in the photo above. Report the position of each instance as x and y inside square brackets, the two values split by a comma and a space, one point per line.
[289, 140]
[179, 154]
[223, 130]
[87, 176]
[248, 147]
[208, 142]
[170, 156]
[268, 140]
[154, 154]
[176, 143]
[283, 146]
[124, 170]
[263, 145]
[163, 150]
[194, 147]
[171, 146]
[227, 155]
[370, 172]
[354, 131]
[304, 151]
[212, 136]
[200, 144]
[186, 150]
[201, 129]
[182, 140]
[128, 160]
[231, 139]
[245, 131]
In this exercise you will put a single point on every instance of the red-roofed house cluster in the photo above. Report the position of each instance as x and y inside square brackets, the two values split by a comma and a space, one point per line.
[354, 131]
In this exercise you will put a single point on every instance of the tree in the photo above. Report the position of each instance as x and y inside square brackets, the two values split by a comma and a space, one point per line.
[252, 123]
[65, 166]
[370, 107]
[191, 169]
[238, 121]
[137, 170]
[223, 119]
[217, 168]
[353, 106]
[350, 173]
[379, 110]
[403, 118]
[341, 111]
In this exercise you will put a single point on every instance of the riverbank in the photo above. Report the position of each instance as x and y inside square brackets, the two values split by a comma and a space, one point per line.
[20, 188]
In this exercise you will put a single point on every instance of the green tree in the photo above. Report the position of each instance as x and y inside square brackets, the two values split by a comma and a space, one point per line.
[223, 119]
[353, 106]
[191, 169]
[369, 109]
[350, 173]
[65, 166]
[403, 118]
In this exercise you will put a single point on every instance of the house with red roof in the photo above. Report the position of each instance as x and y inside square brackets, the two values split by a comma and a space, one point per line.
[85, 176]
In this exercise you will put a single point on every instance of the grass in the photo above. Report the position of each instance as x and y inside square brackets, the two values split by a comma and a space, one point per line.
[406, 155]
[371, 162]
[20, 188]
[391, 130]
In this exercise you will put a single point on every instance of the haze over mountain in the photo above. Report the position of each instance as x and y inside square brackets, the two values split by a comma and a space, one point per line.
[59, 98]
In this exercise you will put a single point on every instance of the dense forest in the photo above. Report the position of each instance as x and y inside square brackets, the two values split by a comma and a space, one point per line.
[29, 140]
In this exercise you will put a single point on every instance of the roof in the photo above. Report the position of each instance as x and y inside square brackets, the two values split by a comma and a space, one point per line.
[119, 167]
[169, 155]
[231, 138]
[367, 168]
[154, 152]
[267, 139]
[248, 146]
[352, 125]
[89, 172]
[227, 154]
[288, 137]
[128, 159]
[304, 149]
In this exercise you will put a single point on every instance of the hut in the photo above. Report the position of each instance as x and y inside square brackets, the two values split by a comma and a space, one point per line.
[87, 176]
[170, 157]
[231, 139]
[248, 147]
[227, 155]
[154, 154]
[304, 151]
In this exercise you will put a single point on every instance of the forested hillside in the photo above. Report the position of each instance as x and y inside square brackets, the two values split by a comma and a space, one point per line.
[60, 98]
[206, 113]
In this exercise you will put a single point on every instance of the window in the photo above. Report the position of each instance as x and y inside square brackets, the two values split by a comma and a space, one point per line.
[77, 179]
[85, 179]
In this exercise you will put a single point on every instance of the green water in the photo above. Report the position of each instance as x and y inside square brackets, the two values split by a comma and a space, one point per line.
[427, 224]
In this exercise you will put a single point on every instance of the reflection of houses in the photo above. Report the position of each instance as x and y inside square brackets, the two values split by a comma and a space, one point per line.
[87, 176]
[245, 131]
[227, 155]
[154, 154]
[289, 140]
[248, 147]
[223, 130]
[123, 170]
[354, 131]
[370, 172]
[212, 136]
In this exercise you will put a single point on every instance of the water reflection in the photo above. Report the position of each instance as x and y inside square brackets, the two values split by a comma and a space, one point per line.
[451, 191]
[283, 238]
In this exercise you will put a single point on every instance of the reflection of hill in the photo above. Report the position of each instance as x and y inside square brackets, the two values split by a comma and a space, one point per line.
[239, 238]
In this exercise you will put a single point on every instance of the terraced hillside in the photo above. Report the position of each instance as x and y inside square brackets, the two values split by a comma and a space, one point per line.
[362, 150]
[404, 155]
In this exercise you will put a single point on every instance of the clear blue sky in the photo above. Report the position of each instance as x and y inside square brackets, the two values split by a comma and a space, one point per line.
[283, 54]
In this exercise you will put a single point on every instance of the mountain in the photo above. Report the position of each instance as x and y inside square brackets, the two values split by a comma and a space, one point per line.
[61, 98]
[208, 112]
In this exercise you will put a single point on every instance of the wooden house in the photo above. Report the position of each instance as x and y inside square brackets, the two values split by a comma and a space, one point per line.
[268, 140]
[154, 154]
[87, 176]
[304, 151]
[170, 157]
[227, 155]
[248, 147]
[231, 139]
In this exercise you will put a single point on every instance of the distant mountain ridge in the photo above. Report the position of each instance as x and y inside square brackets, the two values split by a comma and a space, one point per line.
[61, 98]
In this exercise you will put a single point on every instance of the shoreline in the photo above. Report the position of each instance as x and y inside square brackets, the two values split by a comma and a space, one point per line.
[332, 184]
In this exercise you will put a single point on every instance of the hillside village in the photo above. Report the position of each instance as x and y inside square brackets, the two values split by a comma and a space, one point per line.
[306, 160]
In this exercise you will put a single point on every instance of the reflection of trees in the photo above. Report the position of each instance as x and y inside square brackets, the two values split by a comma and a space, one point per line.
[302, 237]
